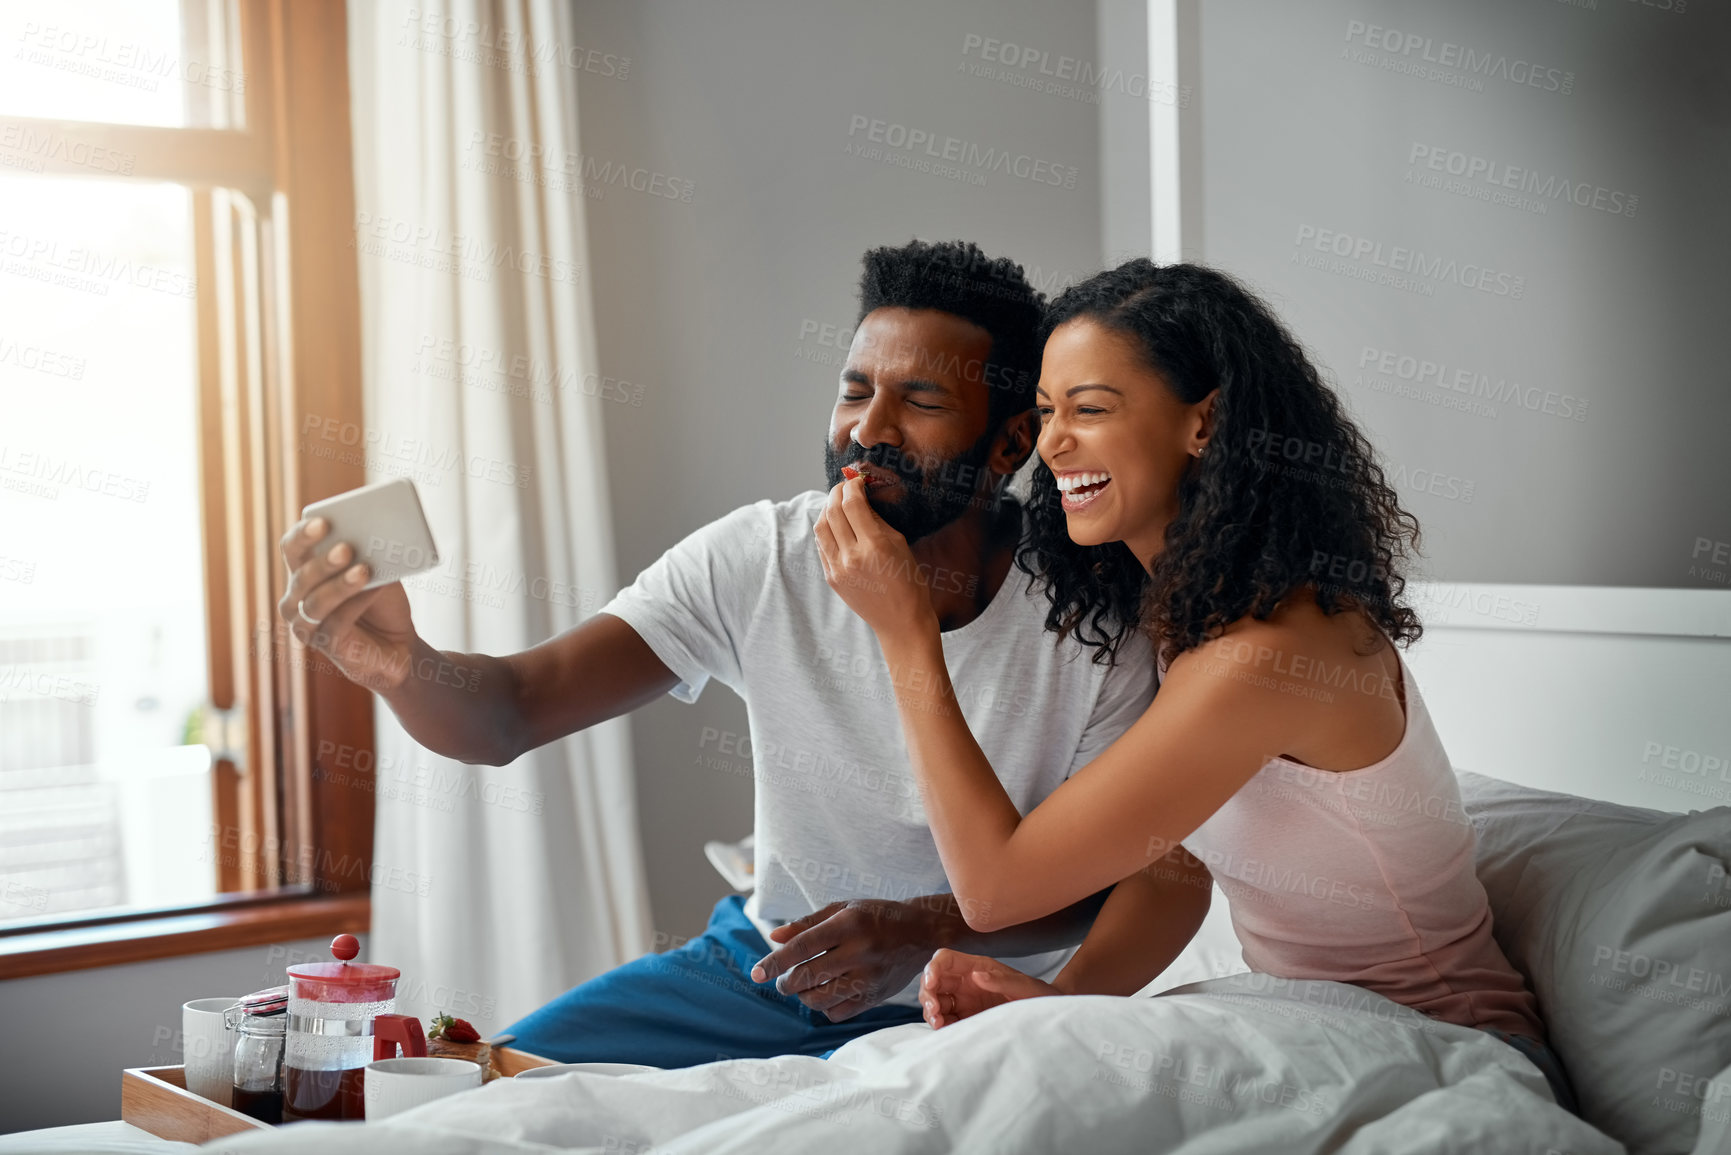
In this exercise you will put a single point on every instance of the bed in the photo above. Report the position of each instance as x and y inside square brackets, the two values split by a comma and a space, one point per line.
[1617, 907]
[1620, 916]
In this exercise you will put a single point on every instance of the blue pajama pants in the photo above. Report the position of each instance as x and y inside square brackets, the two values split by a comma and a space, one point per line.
[694, 1004]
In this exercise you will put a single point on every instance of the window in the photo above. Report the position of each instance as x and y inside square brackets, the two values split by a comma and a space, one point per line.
[178, 207]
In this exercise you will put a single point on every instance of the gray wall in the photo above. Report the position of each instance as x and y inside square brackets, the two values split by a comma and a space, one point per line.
[711, 304]
[72, 1034]
[1305, 127]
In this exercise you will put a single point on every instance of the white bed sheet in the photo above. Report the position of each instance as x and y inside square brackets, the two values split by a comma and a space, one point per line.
[110, 1138]
[1239, 1064]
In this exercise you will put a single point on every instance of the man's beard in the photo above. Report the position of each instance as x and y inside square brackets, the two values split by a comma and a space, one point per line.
[931, 497]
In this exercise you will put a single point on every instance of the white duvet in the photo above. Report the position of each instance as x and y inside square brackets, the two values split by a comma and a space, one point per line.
[1239, 1064]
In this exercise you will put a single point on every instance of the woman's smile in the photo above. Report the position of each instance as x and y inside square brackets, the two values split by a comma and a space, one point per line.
[1081, 488]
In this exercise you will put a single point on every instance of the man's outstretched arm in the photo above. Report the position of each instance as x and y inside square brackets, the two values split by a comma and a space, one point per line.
[474, 708]
[510, 705]
[590, 673]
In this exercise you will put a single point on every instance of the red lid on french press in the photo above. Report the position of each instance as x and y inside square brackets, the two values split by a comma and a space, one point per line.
[344, 981]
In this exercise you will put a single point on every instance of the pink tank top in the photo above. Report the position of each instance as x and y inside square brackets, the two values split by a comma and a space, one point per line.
[1366, 877]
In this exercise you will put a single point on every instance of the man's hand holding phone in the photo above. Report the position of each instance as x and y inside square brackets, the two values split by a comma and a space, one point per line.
[366, 633]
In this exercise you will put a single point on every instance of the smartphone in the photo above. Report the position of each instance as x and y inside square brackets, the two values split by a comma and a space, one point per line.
[384, 523]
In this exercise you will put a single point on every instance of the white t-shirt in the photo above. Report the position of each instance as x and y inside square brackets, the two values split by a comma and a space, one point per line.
[838, 813]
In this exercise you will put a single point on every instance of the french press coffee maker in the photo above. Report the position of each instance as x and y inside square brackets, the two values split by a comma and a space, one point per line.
[341, 1016]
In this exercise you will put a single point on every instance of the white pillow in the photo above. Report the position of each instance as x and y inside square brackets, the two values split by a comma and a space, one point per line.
[1620, 918]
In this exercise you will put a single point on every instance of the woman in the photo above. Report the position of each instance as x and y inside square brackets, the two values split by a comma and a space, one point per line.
[1197, 480]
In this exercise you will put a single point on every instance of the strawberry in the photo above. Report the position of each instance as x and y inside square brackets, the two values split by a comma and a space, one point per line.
[453, 1030]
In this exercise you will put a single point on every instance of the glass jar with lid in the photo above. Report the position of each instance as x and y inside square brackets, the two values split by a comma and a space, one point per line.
[258, 1022]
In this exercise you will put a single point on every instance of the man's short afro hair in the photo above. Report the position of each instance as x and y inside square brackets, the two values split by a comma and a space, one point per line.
[956, 277]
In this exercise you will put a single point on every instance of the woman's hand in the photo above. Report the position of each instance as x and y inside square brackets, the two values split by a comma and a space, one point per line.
[956, 986]
[870, 565]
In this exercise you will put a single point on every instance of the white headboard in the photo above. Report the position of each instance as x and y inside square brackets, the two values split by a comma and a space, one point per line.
[1611, 693]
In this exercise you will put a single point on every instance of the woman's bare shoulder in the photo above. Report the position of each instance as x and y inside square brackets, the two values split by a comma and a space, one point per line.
[1299, 625]
[1290, 662]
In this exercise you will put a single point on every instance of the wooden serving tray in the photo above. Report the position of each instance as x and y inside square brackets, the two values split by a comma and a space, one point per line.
[156, 1099]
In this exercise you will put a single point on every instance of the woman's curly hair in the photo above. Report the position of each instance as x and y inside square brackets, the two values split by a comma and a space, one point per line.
[1287, 494]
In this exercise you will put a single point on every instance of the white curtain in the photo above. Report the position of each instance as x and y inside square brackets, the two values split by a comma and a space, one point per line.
[494, 889]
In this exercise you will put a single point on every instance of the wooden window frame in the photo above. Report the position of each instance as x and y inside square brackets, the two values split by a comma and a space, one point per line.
[279, 347]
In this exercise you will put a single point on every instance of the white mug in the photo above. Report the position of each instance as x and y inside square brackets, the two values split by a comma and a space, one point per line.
[208, 1047]
[394, 1085]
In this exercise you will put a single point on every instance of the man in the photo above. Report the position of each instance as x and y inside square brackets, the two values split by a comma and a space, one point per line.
[936, 408]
